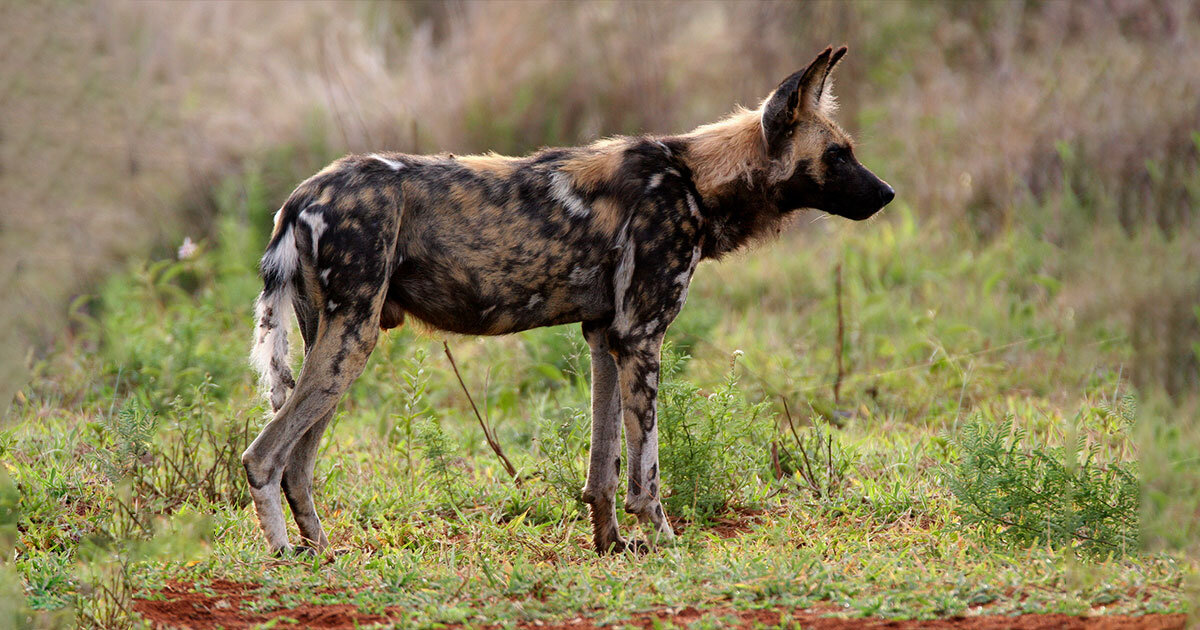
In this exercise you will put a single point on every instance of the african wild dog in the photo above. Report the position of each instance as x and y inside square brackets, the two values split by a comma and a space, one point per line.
[607, 235]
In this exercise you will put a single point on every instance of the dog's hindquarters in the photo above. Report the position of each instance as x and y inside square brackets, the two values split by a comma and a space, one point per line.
[329, 260]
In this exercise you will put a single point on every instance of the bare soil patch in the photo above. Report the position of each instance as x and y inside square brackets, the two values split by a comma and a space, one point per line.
[181, 605]
[771, 617]
[729, 525]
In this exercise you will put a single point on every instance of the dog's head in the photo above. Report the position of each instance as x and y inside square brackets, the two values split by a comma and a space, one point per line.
[812, 163]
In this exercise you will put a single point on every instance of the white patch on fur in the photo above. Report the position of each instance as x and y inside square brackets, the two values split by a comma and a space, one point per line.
[282, 259]
[534, 300]
[331, 306]
[683, 297]
[655, 180]
[673, 172]
[621, 280]
[652, 379]
[663, 145]
[325, 276]
[395, 165]
[268, 506]
[487, 311]
[685, 277]
[827, 104]
[316, 225]
[693, 207]
[762, 123]
[583, 275]
[560, 189]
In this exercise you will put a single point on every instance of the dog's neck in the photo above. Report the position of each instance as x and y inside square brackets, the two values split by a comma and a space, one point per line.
[729, 168]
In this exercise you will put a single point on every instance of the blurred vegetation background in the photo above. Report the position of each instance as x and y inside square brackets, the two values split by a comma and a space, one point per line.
[1058, 142]
[1070, 118]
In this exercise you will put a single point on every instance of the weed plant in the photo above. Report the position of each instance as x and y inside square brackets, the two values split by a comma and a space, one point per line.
[716, 443]
[1025, 495]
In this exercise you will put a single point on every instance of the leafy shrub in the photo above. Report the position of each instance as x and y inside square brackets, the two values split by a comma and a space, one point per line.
[131, 430]
[1031, 495]
[157, 465]
[712, 447]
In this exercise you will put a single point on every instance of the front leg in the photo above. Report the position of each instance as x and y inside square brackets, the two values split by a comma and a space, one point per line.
[604, 462]
[659, 249]
[638, 369]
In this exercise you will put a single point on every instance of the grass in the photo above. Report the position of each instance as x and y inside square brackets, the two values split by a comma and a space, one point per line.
[124, 447]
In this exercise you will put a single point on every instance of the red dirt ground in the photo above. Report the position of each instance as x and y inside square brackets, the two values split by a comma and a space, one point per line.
[183, 607]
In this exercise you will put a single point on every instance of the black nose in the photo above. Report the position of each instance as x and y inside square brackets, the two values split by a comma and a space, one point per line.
[886, 194]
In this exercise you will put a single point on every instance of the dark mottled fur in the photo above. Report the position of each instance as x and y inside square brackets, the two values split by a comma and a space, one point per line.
[608, 235]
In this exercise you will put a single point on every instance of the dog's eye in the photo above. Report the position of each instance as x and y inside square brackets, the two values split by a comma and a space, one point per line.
[837, 154]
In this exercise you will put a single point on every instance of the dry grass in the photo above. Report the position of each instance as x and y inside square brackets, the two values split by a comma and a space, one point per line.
[119, 118]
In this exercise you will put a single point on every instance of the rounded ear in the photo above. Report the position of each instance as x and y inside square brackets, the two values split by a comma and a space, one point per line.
[799, 92]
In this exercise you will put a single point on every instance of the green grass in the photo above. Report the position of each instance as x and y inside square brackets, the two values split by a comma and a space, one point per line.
[123, 449]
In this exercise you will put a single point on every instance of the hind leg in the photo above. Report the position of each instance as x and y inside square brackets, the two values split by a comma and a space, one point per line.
[344, 341]
[297, 484]
[297, 479]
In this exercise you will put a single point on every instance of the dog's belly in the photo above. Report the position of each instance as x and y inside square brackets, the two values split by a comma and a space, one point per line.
[514, 292]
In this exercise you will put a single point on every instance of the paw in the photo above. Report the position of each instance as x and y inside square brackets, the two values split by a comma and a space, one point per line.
[637, 547]
[660, 537]
[621, 545]
[304, 551]
[656, 524]
[298, 552]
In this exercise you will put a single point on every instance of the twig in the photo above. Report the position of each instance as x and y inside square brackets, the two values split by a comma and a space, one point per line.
[809, 477]
[487, 432]
[841, 340]
[1112, 404]
[828, 461]
[775, 459]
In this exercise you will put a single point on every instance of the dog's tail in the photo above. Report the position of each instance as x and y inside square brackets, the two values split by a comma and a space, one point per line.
[273, 309]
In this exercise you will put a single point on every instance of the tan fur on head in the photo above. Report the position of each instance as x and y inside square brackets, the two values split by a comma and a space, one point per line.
[733, 149]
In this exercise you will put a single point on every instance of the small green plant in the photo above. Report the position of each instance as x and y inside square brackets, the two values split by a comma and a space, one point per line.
[438, 452]
[563, 444]
[131, 430]
[713, 446]
[410, 405]
[1026, 496]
